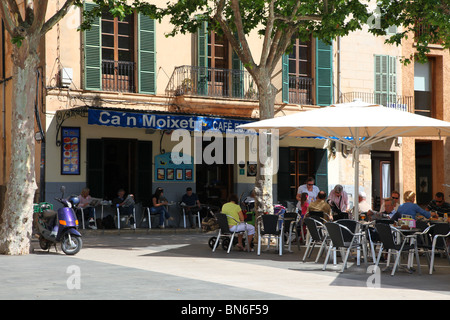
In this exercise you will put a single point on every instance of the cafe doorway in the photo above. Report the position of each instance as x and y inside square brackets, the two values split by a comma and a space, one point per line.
[113, 164]
[383, 175]
[215, 181]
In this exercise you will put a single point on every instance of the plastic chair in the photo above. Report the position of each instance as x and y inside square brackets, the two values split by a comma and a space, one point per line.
[194, 213]
[269, 225]
[148, 217]
[317, 235]
[225, 234]
[337, 237]
[388, 242]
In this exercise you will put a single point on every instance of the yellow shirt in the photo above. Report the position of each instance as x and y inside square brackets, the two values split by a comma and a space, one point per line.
[232, 210]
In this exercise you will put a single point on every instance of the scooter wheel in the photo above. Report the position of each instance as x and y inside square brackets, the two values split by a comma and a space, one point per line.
[71, 244]
[43, 243]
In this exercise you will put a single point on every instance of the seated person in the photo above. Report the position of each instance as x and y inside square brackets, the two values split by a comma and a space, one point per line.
[125, 205]
[249, 201]
[439, 205]
[389, 211]
[159, 203]
[191, 204]
[85, 200]
[395, 195]
[321, 205]
[233, 209]
[409, 208]
[338, 201]
[363, 205]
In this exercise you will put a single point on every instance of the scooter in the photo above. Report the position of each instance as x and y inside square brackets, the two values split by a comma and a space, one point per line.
[53, 227]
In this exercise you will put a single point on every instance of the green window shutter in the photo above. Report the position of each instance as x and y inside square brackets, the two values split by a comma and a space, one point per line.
[202, 56]
[146, 55]
[385, 79]
[285, 78]
[321, 168]
[392, 94]
[324, 73]
[93, 53]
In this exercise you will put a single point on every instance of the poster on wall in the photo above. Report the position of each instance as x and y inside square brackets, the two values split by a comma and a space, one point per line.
[70, 150]
[167, 170]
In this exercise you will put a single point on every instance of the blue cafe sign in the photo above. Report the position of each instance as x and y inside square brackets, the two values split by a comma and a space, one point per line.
[161, 121]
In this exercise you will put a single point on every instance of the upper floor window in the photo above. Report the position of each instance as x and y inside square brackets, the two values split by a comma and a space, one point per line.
[385, 80]
[116, 58]
[423, 88]
[298, 73]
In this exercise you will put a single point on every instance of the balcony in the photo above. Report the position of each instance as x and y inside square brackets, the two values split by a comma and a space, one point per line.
[118, 76]
[404, 103]
[300, 90]
[212, 82]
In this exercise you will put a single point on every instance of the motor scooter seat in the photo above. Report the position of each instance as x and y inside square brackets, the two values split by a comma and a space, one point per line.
[49, 214]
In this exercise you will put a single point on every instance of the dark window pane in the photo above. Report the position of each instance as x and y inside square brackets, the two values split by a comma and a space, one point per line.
[107, 26]
[124, 29]
[107, 54]
[108, 41]
[124, 43]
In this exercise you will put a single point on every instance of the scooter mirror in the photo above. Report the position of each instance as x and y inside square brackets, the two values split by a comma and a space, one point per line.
[63, 189]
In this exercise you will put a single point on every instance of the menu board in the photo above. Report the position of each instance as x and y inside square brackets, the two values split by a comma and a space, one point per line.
[167, 170]
[70, 150]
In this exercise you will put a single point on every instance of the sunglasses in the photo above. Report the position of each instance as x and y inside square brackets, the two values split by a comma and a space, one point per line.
[394, 197]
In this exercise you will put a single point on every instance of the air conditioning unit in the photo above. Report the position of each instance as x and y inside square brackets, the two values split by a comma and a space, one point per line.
[66, 77]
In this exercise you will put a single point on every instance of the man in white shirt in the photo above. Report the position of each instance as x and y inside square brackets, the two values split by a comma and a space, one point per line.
[311, 189]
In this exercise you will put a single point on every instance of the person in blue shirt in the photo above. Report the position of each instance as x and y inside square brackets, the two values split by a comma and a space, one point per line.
[409, 208]
[191, 204]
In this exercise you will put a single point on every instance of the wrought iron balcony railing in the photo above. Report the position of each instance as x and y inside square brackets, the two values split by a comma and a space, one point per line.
[300, 90]
[405, 103]
[118, 76]
[212, 82]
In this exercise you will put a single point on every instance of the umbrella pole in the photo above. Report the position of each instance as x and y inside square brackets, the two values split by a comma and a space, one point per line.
[356, 192]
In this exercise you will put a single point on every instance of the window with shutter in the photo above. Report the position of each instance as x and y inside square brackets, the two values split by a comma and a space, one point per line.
[385, 79]
[296, 74]
[109, 54]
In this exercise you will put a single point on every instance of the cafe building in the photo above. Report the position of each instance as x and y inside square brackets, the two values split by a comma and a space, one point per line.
[117, 95]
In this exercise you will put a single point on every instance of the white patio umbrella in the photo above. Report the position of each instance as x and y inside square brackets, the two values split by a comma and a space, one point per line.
[356, 124]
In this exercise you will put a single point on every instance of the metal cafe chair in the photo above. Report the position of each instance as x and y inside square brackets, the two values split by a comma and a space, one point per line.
[317, 235]
[387, 234]
[440, 231]
[195, 213]
[268, 225]
[225, 235]
[337, 237]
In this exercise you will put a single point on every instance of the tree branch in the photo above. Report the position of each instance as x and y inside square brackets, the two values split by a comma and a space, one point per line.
[267, 35]
[57, 16]
[11, 16]
[243, 44]
[39, 15]
[239, 46]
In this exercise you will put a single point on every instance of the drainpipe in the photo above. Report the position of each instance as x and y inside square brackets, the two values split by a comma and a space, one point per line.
[339, 69]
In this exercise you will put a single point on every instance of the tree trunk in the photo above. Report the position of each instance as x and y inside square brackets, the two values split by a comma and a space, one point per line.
[264, 175]
[16, 219]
